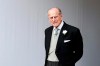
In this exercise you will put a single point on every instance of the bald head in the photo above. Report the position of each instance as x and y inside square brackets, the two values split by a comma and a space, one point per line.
[55, 9]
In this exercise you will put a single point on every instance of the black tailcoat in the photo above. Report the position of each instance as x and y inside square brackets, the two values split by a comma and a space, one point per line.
[70, 52]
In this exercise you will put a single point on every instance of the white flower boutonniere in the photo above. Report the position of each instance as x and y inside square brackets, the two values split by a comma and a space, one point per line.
[64, 32]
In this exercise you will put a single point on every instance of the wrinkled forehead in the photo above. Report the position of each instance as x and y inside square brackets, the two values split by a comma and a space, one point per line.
[53, 11]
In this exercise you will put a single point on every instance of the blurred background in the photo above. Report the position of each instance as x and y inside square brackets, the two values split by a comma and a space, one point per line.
[22, 25]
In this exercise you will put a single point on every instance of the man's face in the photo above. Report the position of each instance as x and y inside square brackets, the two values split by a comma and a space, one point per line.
[55, 17]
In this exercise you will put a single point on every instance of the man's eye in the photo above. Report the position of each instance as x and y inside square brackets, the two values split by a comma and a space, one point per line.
[51, 17]
[55, 17]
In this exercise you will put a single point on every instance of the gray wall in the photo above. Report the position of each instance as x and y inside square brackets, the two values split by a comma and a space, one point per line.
[22, 25]
[91, 32]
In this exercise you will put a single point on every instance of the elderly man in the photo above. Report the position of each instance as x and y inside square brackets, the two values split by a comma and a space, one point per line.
[63, 42]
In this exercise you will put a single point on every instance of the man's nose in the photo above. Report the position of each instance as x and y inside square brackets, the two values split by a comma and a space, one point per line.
[53, 19]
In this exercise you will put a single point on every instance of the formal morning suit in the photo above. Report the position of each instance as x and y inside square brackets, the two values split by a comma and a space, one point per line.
[69, 47]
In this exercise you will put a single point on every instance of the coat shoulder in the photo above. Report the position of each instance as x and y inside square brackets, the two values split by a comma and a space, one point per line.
[71, 28]
[48, 29]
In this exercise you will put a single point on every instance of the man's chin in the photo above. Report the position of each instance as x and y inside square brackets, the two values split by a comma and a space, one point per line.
[55, 25]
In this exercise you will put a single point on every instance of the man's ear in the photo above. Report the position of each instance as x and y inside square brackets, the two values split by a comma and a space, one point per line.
[61, 15]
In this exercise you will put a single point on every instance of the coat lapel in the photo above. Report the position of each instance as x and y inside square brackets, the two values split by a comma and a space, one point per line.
[61, 36]
[49, 38]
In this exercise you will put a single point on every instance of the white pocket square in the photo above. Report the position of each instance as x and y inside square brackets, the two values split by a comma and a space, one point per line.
[66, 41]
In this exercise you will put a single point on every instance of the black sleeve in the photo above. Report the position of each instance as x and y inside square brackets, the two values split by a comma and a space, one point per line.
[78, 45]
